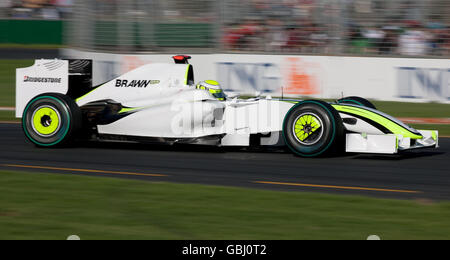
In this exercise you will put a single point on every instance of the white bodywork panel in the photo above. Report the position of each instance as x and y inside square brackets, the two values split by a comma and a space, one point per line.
[361, 126]
[245, 117]
[389, 143]
[169, 108]
[141, 87]
[360, 143]
[240, 138]
[170, 118]
[255, 116]
[430, 139]
[44, 76]
[177, 118]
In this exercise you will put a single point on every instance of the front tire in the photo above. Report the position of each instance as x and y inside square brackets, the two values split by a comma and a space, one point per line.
[51, 119]
[312, 128]
[356, 101]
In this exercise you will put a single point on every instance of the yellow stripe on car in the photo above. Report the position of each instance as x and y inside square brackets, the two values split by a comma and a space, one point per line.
[388, 124]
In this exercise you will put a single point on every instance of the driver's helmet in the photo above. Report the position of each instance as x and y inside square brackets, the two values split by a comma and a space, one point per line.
[213, 87]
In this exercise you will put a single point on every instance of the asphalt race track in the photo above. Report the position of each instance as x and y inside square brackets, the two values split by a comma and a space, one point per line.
[420, 174]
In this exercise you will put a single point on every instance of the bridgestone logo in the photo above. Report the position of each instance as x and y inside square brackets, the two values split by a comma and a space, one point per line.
[135, 83]
[41, 80]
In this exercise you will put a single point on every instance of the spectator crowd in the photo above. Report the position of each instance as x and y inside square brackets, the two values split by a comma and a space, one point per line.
[35, 9]
[327, 27]
[306, 26]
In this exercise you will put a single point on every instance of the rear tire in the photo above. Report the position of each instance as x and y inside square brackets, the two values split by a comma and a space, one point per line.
[51, 119]
[356, 101]
[312, 128]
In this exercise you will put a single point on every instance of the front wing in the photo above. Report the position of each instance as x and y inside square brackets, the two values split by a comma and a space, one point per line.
[389, 143]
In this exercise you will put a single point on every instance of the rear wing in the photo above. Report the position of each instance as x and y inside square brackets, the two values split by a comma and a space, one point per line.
[69, 77]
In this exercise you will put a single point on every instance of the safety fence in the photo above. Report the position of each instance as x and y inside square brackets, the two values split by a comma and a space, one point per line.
[323, 27]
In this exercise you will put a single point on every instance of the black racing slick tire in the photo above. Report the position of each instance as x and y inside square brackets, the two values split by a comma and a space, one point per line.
[51, 119]
[312, 128]
[356, 101]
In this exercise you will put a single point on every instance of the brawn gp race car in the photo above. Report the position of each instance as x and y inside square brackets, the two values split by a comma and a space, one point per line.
[162, 103]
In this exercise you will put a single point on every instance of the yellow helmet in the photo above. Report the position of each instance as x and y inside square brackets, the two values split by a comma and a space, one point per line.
[213, 87]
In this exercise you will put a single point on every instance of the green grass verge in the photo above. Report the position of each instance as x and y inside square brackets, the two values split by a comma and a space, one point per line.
[8, 80]
[444, 130]
[31, 46]
[402, 109]
[8, 116]
[53, 206]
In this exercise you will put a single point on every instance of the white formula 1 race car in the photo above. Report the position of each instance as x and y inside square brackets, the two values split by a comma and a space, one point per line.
[161, 103]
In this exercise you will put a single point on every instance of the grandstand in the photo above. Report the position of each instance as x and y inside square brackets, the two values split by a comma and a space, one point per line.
[325, 27]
